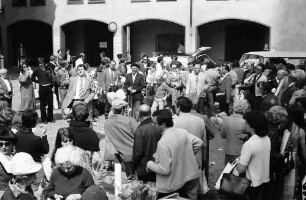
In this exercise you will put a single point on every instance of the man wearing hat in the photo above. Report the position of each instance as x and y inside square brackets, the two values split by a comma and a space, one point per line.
[134, 84]
[6, 87]
[120, 130]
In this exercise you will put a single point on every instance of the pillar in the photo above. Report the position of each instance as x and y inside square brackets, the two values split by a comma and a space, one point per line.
[117, 41]
[56, 38]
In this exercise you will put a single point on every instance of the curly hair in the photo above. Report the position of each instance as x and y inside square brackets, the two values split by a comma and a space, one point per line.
[241, 106]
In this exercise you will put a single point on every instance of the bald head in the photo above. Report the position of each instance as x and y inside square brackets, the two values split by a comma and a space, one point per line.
[144, 111]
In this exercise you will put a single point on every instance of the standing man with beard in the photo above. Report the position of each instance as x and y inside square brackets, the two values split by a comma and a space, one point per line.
[134, 83]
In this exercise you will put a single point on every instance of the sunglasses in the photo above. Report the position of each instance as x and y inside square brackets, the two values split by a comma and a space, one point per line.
[66, 141]
[5, 144]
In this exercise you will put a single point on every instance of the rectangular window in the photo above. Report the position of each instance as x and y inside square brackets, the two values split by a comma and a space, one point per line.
[75, 2]
[19, 3]
[95, 1]
[38, 2]
[140, 0]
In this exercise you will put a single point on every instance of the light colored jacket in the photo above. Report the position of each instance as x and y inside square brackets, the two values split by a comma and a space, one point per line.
[196, 83]
[72, 90]
[196, 126]
[175, 163]
[262, 78]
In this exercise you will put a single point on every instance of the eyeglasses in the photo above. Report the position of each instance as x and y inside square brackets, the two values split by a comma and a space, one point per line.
[66, 141]
[5, 144]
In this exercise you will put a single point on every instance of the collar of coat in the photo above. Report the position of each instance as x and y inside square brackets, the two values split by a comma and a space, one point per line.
[146, 121]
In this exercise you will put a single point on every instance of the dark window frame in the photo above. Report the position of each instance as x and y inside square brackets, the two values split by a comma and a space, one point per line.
[139, 1]
[95, 1]
[73, 2]
[18, 3]
[38, 3]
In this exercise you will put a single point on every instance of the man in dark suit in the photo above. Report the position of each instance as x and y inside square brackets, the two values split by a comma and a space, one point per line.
[290, 90]
[225, 89]
[134, 83]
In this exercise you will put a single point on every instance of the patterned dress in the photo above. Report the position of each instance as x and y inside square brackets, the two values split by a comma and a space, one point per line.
[174, 80]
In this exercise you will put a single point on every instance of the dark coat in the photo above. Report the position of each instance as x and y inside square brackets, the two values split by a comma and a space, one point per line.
[226, 86]
[288, 94]
[146, 138]
[137, 85]
[32, 144]
[84, 137]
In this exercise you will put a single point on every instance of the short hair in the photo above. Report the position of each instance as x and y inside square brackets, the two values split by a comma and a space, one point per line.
[135, 65]
[258, 122]
[210, 65]
[117, 110]
[52, 58]
[17, 121]
[156, 113]
[262, 66]
[6, 116]
[81, 54]
[144, 55]
[226, 67]
[296, 114]
[80, 112]
[146, 113]
[266, 87]
[159, 59]
[59, 50]
[70, 154]
[290, 66]
[197, 63]
[184, 103]
[165, 117]
[29, 118]
[241, 106]
[82, 65]
[7, 134]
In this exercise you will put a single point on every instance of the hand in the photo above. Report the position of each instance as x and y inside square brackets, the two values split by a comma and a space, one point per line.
[133, 91]
[53, 89]
[44, 131]
[130, 89]
[104, 91]
[227, 101]
[58, 197]
[86, 101]
[74, 197]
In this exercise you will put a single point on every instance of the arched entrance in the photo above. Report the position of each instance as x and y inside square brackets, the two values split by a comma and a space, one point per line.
[36, 37]
[148, 36]
[89, 37]
[230, 38]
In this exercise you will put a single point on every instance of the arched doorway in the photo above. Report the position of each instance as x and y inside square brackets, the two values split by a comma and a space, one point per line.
[36, 37]
[230, 38]
[89, 37]
[148, 36]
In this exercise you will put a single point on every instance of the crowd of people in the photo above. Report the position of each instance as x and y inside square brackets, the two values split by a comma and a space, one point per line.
[159, 120]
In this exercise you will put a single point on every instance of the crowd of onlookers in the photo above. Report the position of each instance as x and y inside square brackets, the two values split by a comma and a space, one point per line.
[159, 120]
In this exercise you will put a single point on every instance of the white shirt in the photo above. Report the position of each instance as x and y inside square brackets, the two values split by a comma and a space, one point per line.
[255, 154]
[133, 77]
[77, 92]
[196, 83]
[159, 69]
[7, 83]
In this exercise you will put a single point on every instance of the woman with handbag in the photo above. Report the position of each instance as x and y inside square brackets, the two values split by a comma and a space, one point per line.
[255, 156]
[295, 152]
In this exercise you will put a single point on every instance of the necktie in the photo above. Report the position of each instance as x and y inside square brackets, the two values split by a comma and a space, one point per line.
[82, 88]
[197, 80]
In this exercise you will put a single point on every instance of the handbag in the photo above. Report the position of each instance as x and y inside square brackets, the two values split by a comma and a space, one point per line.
[234, 186]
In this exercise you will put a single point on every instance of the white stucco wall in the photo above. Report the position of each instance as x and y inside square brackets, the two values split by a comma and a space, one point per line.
[286, 18]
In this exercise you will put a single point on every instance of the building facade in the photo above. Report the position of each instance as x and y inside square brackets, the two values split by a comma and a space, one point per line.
[230, 27]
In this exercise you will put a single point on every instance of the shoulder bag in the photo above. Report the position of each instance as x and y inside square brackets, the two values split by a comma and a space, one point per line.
[234, 186]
